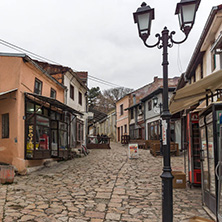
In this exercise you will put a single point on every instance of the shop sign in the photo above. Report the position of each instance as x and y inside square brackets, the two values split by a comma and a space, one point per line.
[194, 117]
[30, 144]
[133, 150]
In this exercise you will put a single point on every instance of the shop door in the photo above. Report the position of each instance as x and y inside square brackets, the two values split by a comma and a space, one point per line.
[219, 178]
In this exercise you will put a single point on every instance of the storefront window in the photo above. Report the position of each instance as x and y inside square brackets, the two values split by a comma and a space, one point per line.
[205, 161]
[53, 115]
[63, 136]
[54, 144]
[153, 130]
[42, 138]
[40, 120]
[30, 107]
[63, 140]
[38, 109]
[211, 157]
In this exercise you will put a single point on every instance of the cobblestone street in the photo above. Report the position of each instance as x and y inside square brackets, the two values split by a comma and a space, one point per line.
[103, 186]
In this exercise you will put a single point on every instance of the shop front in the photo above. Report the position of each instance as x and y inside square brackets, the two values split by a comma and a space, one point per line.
[47, 126]
[210, 124]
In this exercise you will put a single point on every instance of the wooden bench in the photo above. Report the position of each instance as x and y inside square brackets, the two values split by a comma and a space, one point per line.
[151, 142]
[174, 149]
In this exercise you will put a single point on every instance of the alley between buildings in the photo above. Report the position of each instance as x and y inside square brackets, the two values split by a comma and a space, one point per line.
[104, 186]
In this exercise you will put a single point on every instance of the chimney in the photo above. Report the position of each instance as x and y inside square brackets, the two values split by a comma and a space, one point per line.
[155, 78]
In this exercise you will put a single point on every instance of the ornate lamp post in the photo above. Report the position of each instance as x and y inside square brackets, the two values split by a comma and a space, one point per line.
[186, 11]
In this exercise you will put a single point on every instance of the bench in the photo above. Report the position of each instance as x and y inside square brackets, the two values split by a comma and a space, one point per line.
[174, 149]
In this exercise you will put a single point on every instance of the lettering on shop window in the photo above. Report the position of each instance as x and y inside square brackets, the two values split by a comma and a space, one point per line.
[30, 144]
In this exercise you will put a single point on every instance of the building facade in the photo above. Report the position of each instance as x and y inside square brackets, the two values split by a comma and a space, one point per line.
[122, 117]
[75, 96]
[197, 102]
[33, 114]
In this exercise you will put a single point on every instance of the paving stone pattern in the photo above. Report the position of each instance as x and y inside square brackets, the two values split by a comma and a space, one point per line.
[104, 186]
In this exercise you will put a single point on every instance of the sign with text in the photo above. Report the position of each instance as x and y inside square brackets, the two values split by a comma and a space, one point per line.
[164, 132]
[133, 150]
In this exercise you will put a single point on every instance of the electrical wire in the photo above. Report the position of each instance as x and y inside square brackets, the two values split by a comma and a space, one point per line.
[99, 81]
[103, 81]
[36, 56]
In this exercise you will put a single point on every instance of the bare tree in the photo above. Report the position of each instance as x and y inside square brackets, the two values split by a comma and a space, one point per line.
[106, 100]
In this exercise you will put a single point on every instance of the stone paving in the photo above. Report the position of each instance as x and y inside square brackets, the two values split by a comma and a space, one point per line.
[103, 186]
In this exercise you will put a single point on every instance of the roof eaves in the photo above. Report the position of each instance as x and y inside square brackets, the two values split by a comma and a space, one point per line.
[78, 79]
[28, 59]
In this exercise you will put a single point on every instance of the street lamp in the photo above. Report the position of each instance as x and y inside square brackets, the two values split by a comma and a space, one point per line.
[143, 17]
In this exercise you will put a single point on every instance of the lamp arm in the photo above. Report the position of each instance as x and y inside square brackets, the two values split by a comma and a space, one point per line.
[151, 46]
[177, 42]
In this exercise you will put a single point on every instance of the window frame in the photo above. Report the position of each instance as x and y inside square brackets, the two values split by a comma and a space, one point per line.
[36, 90]
[132, 113]
[80, 98]
[72, 94]
[149, 105]
[52, 91]
[121, 109]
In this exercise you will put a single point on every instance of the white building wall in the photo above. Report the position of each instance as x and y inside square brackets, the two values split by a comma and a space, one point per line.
[70, 79]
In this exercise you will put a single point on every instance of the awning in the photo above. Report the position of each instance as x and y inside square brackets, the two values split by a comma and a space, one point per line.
[6, 92]
[54, 102]
[190, 95]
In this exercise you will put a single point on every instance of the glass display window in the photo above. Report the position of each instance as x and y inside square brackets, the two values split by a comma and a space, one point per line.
[30, 107]
[42, 138]
[210, 137]
[43, 121]
[205, 159]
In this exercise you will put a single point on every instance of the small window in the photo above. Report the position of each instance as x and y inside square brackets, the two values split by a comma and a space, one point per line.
[149, 105]
[38, 87]
[213, 61]
[121, 109]
[125, 128]
[72, 92]
[80, 98]
[5, 125]
[53, 93]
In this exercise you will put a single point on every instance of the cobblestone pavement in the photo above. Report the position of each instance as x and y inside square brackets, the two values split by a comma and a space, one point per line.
[104, 186]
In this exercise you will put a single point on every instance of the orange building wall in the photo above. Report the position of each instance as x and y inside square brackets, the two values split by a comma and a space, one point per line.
[122, 120]
[14, 73]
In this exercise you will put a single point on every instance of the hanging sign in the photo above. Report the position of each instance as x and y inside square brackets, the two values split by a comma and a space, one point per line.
[133, 150]
[164, 132]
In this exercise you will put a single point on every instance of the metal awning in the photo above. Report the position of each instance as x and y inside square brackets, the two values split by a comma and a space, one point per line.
[190, 95]
[54, 103]
[9, 91]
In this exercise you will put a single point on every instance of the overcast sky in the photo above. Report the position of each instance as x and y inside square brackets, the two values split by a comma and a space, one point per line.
[99, 36]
